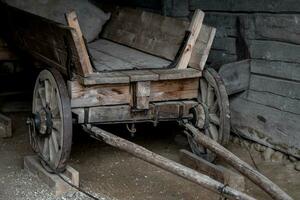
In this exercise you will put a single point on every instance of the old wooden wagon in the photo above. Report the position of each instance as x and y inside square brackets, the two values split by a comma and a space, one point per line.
[144, 68]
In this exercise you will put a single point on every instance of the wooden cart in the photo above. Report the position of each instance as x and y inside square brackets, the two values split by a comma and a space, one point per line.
[145, 68]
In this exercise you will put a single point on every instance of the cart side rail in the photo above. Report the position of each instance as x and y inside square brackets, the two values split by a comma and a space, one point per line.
[159, 35]
[49, 42]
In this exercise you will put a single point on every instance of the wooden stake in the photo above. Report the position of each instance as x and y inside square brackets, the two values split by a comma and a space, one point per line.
[195, 28]
[77, 35]
[164, 163]
[263, 182]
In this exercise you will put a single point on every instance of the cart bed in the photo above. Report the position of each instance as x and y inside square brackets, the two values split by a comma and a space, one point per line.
[110, 56]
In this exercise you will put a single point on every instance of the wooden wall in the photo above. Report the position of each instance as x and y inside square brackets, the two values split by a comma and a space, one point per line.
[268, 33]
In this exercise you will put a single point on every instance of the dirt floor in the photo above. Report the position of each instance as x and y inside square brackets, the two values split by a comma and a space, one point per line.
[112, 174]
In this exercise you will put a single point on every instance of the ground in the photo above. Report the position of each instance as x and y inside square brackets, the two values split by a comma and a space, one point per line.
[112, 174]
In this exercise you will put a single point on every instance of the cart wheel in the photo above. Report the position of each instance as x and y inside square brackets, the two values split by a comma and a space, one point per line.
[51, 121]
[212, 115]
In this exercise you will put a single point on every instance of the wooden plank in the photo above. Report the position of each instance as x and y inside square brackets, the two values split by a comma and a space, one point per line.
[283, 70]
[276, 6]
[142, 95]
[115, 94]
[276, 86]
[173, 74]
[236, 76]
[123, 113]
[174, 89]
[141, 75]
[199, 58]
[194, 28]
[49, 42]
[72, 21]
[156, 34]
[98, 95]
[274, 51]
[149, 32]
[33, 165]
[266, 125]
[104, 78]
[279, 102]
[126, 57]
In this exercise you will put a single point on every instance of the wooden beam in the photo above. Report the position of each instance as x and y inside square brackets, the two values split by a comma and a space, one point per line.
[143, 91]
[81, 48]
[194, 28]
[117, 94]
[166, 164]
[263, 182]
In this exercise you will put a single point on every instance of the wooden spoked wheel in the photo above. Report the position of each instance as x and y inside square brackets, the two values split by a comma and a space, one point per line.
[51, 122]
[212, 115]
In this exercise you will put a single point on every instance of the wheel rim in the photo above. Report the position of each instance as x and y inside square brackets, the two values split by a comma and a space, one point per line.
[53, 122]
[214, 98]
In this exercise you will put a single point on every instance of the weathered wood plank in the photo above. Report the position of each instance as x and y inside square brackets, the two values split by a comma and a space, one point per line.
[276, 86]
[194, 28]
[274, 51]
[116, 94]
[104, 78]
[246, 6]
[283, 70]
[98, 95]
[275, 101]
[123, 113]
[202, 47]
[143, 91]
[285, 27]
[172, 74]
[49, 42]
[149, 32]
[79, 43]
[156, 34]
[141, 75]
[120, 57]
[266, 125]
[236, 76]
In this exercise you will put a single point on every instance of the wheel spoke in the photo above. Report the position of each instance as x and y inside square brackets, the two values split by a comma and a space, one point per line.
[51, 150]
[203, 88]
[213, 132]
[213, 108]
[57, 137]
[41, 96]
[46, 148]
[54, 141]
[56, 123]
[210, 96]
[214, 119]
[47, 91]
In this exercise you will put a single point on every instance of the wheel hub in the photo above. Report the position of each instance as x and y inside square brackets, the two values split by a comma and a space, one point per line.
[43, 122]
[200, 116]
